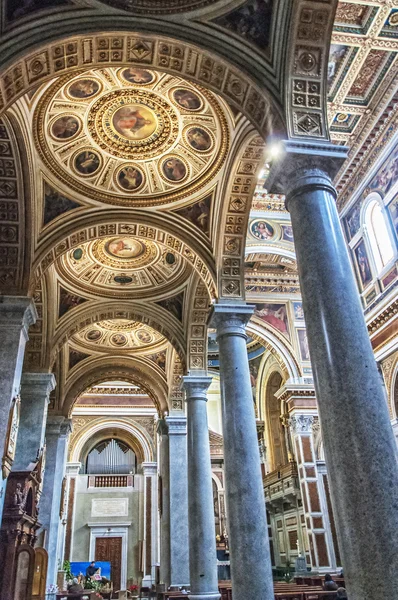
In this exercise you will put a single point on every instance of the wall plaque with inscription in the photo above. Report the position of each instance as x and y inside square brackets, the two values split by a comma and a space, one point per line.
[112, 507]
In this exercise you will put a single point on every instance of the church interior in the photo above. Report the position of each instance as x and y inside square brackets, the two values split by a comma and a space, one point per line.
[199, 299]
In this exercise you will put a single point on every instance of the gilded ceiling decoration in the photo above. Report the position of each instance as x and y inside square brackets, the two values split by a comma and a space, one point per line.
[158, 7]
[362, 65]
[131, 136]
[121, 334]
[121, 265]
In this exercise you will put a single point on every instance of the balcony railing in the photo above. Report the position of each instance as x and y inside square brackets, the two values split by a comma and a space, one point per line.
[110, 481]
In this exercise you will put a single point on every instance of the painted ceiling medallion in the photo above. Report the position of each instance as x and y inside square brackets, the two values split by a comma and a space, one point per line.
[123, 266]
[120, 334]
[125, 252]
[133, 124]
[131, 136]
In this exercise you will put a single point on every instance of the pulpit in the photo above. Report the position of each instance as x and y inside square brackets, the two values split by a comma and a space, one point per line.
[18, 535]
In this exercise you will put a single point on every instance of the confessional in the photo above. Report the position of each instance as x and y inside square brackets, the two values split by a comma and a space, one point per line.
[24, 569]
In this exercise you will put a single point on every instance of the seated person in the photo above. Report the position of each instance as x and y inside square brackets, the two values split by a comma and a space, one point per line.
[91, 570]
[341, 594]
[75, 586]
[329, 585]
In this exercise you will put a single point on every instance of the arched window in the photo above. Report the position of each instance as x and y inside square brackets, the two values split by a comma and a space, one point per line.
[111, 456]
[379, 237]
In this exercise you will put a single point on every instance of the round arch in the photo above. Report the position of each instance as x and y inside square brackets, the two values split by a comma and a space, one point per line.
[393, 392]
[94, 46]
[280, 348]
[149, 314]
[270, 249]
[95, 426]
[121, 368]
[183, 238]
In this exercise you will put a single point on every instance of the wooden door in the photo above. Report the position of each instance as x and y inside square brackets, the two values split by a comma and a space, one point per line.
[110, 549]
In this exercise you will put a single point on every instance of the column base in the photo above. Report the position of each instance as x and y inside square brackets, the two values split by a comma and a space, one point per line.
[205, 596]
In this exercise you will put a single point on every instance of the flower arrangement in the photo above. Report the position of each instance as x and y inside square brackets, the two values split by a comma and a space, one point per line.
[134, 589]
[52, 589]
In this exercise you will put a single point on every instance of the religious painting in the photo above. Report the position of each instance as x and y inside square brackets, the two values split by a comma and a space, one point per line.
[65, 127]
[124, 247]
[75, 357]
[363, 266]
[93, 335]
[56, 204]
[174, 305]
[130, 178]
[336, 57]
[287, 233]
[137, 76]
[275, 315]
[134, 122]
[187, 99]
[250, 21]
[198, 214]
[87, 162]
[83, 88]
[199, 139]
[388, 175]
[254, 365]
[390, 277]
[353, 220]
[174, 169]
[393, 210]
[118, 339]
[160, 359]
[303, 344]
[67, 301]
[262, 230]
[144, 336]
[298, 311]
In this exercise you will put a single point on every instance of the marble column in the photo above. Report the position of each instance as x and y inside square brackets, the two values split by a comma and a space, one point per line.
[35, 392]
[178, 493]
[16, 315]
[164, 462]
[150, 472]
[360, 451]
[202, 534]
[57, 433]
[248, 532]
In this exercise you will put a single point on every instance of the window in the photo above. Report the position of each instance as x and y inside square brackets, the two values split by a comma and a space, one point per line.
[111, 456]
[379, 237]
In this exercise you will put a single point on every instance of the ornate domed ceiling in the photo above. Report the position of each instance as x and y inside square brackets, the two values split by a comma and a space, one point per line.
[120, 334]
[131, 136]
[122, 266]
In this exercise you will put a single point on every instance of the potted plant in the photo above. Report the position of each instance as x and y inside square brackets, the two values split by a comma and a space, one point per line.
[134, 590]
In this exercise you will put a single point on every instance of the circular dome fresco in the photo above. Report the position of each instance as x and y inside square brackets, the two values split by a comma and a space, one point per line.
[131, 136]
[123, 266]
[121, 334]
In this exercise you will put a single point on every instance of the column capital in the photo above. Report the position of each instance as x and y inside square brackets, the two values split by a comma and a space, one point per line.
[304, 423]
[58, 425]
[149, 469]
[73, 468]
[176, 425]
[17, 311]
[196, 387]
[305, 164]
[230, 319]
[37, 384]
[162, 428]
